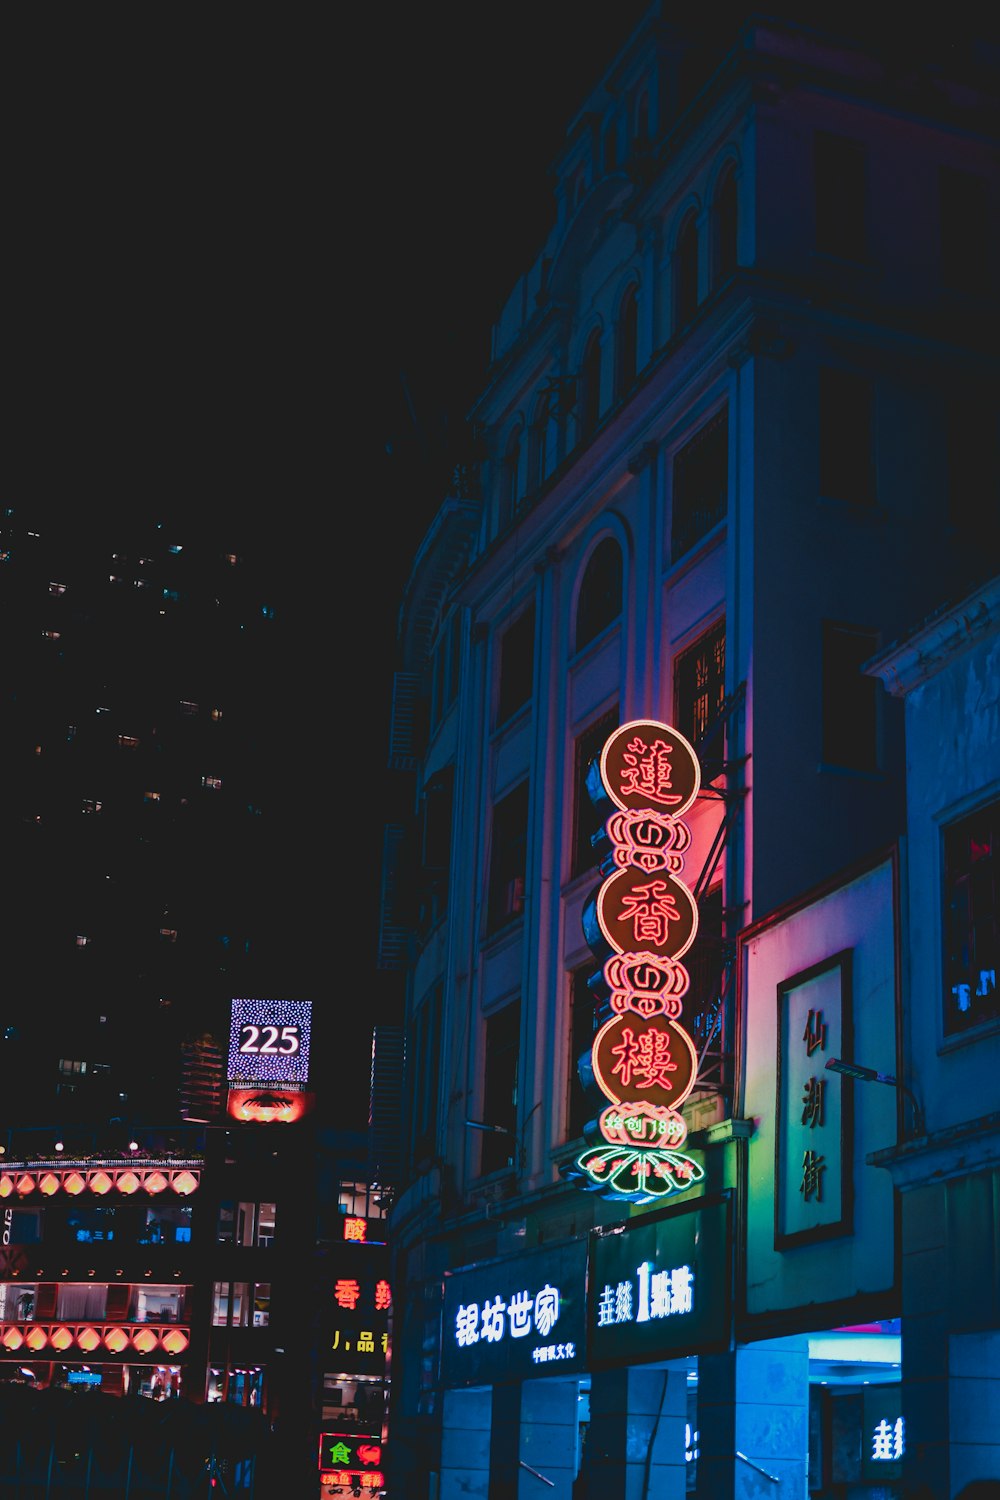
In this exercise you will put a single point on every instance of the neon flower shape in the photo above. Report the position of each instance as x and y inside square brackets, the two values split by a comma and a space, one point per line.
[48, 1184]
[175, 1342]
[25, 1184]
[144, 1340]
[116, 1339]
[6, 1185]
[61, 1338]
[101, 1182]
[128, 1182]
[36, 1338]
[74, 1182]
[638, 1175]
[88, 1339]
[155, 1182]
[12, 1338]
[184, 1183]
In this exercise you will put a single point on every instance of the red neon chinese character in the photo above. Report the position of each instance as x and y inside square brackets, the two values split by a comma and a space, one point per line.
[647, 771]
[383, 1295]
[355, 1229]
[647, 1056]
[347, 1292]
[653, 908]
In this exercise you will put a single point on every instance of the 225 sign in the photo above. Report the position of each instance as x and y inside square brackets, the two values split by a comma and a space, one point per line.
[269, 1041]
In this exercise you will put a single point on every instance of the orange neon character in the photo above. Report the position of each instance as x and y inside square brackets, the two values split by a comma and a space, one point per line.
[355, 1229]
[383, 1295]
[347, 1291]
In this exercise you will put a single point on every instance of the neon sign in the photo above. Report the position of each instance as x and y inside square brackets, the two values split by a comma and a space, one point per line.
[349, 1459]
[642, 1060]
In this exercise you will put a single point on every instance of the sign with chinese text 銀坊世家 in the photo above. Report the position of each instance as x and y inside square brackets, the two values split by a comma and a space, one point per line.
[814, 1136]
[516, 1318]
[660, 1288]
[642, 1059]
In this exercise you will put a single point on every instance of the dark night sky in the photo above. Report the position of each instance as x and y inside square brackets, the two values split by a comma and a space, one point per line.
[234, 236]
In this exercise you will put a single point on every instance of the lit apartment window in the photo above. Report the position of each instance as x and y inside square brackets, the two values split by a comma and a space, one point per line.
[699, 484]
[57, 588]
[150, 796]
[517, 665]
[699, 694]
[128, 741]
[600, 598]
[91, 805]
[246, 1223]
[82, 940]
[850, 704]
[846, 437]
[971, 905]
[51, 635]
[187, 707]
[503, 1044]
[508, 858]
[214, 783]
[72, 1065]
[587, 747]
[840, 189]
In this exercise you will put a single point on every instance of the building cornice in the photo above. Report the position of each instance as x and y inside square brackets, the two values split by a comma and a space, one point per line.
[922, 653]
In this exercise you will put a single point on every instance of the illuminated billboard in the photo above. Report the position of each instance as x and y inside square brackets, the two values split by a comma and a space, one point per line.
[269, 1042]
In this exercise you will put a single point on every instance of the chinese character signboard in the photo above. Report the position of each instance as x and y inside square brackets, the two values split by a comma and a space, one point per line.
[516, 1318]
[347, 1459]
[813, 1141]
[883, 1440]
[642, 921]
[660, 1288]
[356, 1317]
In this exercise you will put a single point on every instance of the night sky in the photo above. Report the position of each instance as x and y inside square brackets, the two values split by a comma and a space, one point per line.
[257, 256]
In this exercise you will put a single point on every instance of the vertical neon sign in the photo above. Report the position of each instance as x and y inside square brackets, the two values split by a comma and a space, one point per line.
[642, 1059]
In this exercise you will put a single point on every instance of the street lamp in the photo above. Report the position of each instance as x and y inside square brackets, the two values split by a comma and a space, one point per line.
[872, 1075]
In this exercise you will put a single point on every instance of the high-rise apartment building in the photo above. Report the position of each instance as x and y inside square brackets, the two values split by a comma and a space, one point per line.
[184, 1184]
[738, 438]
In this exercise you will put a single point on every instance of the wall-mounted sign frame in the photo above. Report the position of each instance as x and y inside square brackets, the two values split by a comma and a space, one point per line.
[814, 1135]
[661, 1287]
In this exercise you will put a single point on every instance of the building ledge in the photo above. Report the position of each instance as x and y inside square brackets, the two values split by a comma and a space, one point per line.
[956, 1151]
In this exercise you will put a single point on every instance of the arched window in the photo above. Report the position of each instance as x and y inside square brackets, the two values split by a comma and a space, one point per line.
[589, 399]
[541, 447]
[600, 599]
[627, 342]
[686, 273]
[724, 215]
[509, 478]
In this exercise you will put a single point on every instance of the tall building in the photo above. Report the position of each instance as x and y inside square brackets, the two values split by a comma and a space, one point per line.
[184, 1161]
[739, 435]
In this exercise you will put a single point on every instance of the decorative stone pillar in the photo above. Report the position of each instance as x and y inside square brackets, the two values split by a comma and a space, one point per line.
[635, 1446]
[753, 1419]
[465, 1446]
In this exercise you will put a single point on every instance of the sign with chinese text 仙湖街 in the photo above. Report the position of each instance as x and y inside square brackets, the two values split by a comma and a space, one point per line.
[516, 1318]
[642, 921]
[660, 1286]
[813, 1138]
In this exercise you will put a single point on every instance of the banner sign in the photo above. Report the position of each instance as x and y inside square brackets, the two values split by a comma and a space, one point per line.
[660, 1288]
[269, 1042]
[642, 1059]
[513, 1319]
